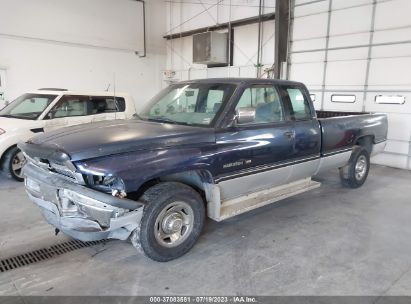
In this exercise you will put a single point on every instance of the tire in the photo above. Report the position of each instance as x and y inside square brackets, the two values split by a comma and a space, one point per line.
[13, 164]
[354, 174]
[172, 221]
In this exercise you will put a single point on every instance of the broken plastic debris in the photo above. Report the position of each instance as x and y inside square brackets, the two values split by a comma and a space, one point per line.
[118, 193]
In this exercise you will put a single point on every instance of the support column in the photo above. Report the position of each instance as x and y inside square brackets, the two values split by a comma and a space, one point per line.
[282, 24]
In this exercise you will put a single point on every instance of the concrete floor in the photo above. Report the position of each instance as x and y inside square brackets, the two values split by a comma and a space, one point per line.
[330, 241]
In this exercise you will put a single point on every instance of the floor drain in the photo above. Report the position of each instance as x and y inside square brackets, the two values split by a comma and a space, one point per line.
[44, 254]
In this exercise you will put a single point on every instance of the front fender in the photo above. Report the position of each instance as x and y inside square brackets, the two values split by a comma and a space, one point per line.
[136, 168]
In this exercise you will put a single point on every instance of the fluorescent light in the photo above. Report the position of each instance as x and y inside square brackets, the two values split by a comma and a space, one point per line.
[385, 99]
[343, 98]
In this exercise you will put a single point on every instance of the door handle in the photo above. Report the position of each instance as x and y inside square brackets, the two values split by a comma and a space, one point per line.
[289, 134]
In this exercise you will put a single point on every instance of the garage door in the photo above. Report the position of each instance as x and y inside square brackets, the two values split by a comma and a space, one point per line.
[355, 55]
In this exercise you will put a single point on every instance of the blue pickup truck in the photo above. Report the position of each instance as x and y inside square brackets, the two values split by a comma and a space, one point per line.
[212, 147]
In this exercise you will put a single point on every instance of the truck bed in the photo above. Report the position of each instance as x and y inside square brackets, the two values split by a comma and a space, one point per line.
[340, 130]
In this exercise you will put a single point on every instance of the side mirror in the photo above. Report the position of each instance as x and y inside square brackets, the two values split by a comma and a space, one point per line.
[245, 115]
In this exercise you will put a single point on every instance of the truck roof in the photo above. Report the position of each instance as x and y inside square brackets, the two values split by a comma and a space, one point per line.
[238, 80]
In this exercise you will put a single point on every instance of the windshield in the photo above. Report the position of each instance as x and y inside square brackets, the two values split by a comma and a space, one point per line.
[190, 104]
[28, 106]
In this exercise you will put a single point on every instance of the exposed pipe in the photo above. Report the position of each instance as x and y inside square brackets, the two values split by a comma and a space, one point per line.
[221, 26]
[144, 30]
[230, 42]
[259, 40]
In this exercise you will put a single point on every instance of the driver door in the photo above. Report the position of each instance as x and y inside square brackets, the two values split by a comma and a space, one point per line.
[253, 156]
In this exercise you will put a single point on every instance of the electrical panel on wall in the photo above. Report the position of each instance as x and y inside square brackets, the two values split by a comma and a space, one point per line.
[210, 48]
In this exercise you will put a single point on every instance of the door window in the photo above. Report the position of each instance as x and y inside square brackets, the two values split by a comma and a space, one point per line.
[69, 106]
[300, 109]
[266, 102]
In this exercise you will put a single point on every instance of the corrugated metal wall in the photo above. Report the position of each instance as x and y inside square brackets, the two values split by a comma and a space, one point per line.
[355, 55]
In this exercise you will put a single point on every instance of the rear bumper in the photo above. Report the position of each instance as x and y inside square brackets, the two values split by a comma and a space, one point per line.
[80, 212]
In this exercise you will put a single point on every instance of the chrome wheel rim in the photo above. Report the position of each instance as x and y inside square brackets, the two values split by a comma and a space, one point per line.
[17, 164]
[174, 224]
[361, 167]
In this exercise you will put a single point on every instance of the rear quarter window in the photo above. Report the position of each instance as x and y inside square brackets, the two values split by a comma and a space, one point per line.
[106, 104]
[300, 108]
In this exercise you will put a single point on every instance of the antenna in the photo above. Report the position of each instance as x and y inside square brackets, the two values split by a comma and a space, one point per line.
[114, 84]
[114, 92]
[108, 87]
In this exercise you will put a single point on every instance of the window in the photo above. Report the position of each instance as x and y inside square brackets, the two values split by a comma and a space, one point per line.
[192, 103]
[266, 102]
[300, 109]
[343, 98]
[28, 106]
[104, 104]
[69, 106]
[214, 100]
[381, 99]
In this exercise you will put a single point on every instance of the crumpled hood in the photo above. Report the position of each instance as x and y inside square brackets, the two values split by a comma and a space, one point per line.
[120, 136]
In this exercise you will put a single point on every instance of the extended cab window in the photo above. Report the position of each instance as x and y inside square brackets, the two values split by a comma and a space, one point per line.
[300, 109]
[266, 102]
[69, 106]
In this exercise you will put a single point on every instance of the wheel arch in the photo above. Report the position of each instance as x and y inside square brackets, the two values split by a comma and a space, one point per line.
[5, 153]
[201, 180]
[365, 141]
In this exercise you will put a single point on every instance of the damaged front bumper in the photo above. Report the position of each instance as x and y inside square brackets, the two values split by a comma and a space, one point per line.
[78, 211]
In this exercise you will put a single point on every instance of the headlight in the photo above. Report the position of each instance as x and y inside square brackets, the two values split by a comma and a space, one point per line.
[111, 184]
[2, 131]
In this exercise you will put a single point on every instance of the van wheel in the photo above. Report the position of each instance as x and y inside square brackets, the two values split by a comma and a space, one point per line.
[354, 174]
[14, 161]
[172, 221]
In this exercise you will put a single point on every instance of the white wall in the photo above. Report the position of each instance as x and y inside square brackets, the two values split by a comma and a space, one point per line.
[34, 60]
[183, 16]
[368, 53]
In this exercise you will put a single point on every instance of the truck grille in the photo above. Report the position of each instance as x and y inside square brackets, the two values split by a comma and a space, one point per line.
[63, 170]
[55, 168]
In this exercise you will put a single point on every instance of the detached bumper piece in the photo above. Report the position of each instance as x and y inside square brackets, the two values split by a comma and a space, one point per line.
[80, 212]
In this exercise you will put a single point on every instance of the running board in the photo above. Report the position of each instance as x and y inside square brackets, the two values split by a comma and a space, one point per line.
[239, 205]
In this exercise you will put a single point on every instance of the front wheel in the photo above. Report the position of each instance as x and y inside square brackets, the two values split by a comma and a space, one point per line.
[14, 161]
[354, 174]
[172, 221]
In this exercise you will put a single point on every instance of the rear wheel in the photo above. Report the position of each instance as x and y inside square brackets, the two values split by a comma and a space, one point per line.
[14, 161]
[172, 221]
[354, 174]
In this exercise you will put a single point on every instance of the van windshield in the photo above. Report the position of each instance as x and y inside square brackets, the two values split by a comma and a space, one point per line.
[28, 106]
